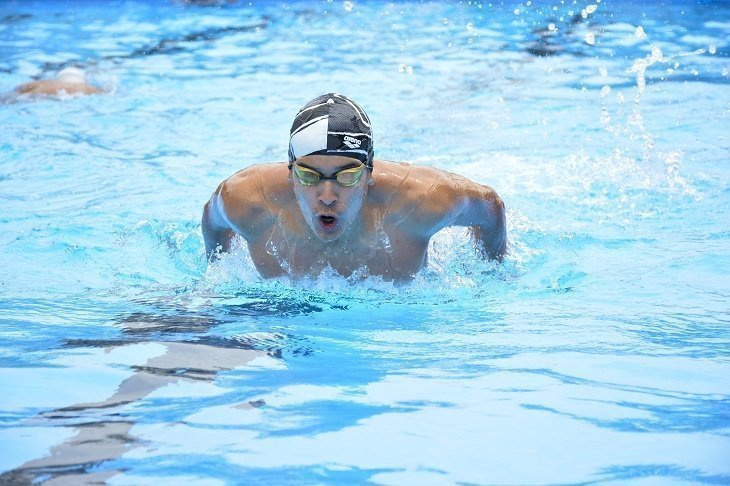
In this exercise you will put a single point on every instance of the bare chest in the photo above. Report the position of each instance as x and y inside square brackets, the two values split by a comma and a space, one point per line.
[387, 253]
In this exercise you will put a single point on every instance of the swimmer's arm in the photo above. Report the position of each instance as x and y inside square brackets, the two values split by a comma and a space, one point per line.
[238, 206]
[217, 231]
[483, 211]
[432, 199]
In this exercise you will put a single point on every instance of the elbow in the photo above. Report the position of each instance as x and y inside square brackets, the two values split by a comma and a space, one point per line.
[501, 229]
[493, 234]
[206, 221]
[217, 233]
[497, 205]
[214, 213]
[209, 237]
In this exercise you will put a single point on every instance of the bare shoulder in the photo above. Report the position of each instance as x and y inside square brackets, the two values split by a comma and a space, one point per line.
[421, 197]
[254, 194]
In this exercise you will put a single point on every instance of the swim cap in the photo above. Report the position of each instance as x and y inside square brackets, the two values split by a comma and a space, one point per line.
[331, 124]
[71, 75]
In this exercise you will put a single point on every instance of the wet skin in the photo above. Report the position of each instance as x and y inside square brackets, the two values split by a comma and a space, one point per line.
[379, 226]
[54, 87]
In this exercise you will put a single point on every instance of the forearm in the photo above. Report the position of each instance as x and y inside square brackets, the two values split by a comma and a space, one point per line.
[217, 241]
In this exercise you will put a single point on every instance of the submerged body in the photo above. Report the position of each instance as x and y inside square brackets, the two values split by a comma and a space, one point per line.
[380, 226]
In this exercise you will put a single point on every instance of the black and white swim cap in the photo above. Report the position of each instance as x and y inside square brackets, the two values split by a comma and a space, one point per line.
[331, 124]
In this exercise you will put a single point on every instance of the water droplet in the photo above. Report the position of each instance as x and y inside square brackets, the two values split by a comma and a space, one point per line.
[603, 71]
[639, 32]
[605, 90]
[636, 118]
[695, 72]
[656, 54]
[528, 3]
[590, 38]
[517, 11]
[445, 21]
[470, 27]
[348, 6]
[405, 68]
[551, 27]
[724, 72]
[620, 98]
[605, 117]
[713, 50]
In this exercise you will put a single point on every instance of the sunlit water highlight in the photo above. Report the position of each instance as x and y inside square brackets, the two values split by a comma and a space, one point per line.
[597, 352]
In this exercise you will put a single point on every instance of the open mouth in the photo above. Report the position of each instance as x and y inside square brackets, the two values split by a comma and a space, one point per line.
[327, 222]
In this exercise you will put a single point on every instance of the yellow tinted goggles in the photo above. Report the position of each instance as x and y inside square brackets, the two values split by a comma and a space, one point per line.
[344, 177]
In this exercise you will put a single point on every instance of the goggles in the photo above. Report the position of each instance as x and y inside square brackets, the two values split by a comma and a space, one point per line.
[344, 177]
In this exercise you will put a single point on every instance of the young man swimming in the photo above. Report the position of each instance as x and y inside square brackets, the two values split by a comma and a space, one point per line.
[334, 206]
[70, 80]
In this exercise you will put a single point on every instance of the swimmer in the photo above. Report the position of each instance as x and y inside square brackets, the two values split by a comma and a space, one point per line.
[70, 80]
[333, 206]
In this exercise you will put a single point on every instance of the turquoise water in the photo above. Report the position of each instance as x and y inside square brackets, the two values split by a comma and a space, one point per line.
[598, 352]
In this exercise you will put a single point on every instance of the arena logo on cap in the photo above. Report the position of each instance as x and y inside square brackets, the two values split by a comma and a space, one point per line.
[351, 142]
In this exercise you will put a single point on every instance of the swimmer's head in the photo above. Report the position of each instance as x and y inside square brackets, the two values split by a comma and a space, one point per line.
[71, 74]
[331, 124]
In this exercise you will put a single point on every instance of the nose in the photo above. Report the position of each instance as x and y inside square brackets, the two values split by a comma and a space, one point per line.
[327, 193]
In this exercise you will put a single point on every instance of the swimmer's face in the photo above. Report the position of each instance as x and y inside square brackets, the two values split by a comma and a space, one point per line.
[329, 207]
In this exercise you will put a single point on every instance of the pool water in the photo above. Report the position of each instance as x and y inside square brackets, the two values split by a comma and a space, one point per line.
[597, 352]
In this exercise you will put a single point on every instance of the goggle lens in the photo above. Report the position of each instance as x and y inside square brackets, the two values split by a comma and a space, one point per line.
[306, 176]
[349, 177]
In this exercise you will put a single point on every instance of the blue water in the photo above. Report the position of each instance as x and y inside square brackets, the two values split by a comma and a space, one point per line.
[598, 352]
